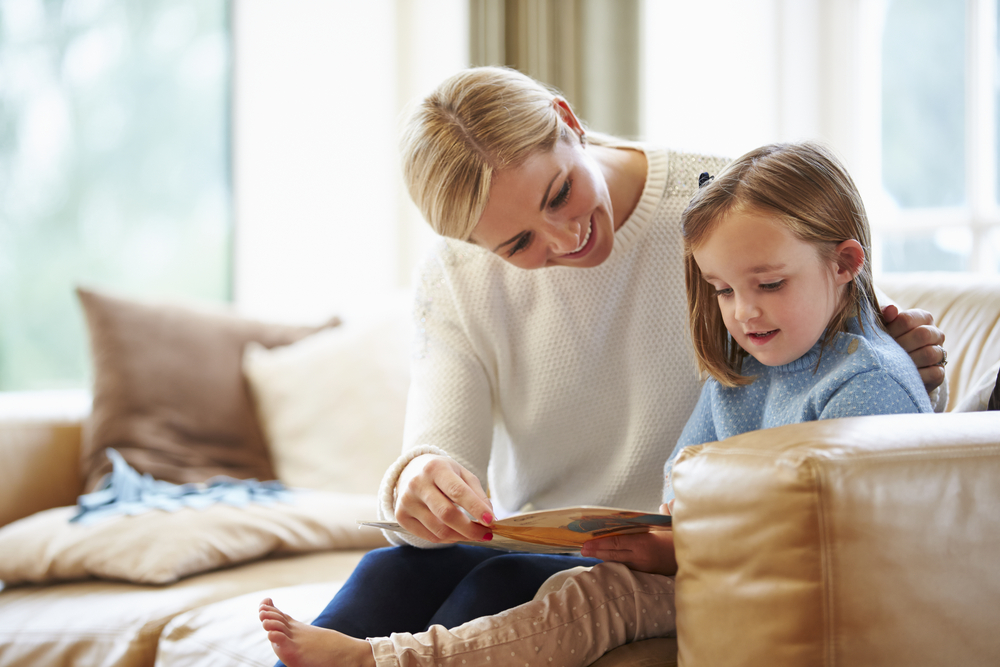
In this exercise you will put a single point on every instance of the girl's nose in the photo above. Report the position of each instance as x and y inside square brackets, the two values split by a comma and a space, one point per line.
[746, 309]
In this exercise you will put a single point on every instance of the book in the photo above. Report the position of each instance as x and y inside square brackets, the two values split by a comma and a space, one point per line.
[558, 531]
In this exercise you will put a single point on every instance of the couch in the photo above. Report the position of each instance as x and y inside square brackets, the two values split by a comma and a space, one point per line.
[859, 541]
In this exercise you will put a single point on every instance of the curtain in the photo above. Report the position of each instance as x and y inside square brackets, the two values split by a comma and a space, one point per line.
[588, 49]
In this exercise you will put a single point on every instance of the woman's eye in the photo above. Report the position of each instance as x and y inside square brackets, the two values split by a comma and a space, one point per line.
[522, 243]
[726, 291]
[771, 287]
[563, 195]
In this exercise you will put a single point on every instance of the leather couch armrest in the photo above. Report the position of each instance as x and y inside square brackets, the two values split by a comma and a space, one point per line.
[39, 453]
[870, 540]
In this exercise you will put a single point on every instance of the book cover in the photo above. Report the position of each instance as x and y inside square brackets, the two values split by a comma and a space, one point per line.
[558, 531]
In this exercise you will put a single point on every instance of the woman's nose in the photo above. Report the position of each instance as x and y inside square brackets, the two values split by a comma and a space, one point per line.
[564, 237]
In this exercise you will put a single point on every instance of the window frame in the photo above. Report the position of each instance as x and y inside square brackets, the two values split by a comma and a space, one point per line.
[980, 215]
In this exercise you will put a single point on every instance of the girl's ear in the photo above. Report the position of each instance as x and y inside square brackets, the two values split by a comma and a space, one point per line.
[566, 113]
[850, 258]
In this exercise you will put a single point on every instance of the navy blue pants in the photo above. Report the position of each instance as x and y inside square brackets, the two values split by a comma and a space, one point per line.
[405, 589]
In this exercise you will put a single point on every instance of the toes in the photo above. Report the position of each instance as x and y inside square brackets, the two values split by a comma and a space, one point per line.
[277, 639]
[272, 617]
[275, 625]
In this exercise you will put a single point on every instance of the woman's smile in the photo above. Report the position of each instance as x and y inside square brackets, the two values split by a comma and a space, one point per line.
[579, 252]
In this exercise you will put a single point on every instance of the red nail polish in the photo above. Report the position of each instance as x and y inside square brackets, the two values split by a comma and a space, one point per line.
[487, 518]
[487, 537]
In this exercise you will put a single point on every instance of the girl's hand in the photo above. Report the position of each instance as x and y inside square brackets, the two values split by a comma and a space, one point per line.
[915, 332]
[651, 552]
[430, 495]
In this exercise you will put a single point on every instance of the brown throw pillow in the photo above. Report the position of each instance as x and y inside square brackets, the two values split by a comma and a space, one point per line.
[169, 391]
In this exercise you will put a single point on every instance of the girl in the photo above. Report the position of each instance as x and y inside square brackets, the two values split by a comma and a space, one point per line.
[784, 320]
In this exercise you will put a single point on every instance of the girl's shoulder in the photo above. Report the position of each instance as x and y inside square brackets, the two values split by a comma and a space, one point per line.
[874, 361]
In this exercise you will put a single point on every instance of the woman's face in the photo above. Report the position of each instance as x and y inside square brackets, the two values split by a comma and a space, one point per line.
[552, 210]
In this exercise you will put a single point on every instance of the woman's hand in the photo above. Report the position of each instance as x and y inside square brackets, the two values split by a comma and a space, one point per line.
[915, 332]
[430, 495]
[651, 552]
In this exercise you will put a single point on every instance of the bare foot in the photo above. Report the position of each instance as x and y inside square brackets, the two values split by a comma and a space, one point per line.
[300, 645]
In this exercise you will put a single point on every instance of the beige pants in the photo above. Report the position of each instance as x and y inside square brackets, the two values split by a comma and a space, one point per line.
[591, 614]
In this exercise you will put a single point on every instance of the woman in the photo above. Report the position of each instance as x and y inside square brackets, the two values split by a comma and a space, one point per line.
[570, 385]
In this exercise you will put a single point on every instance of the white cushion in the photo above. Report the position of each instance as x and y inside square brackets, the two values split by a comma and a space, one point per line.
[332, 405]
[159, 547]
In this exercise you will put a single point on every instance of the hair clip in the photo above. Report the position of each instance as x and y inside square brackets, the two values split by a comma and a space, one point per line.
[704, 178]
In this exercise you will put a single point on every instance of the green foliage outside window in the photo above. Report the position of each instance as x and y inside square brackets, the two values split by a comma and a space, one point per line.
[114, 168]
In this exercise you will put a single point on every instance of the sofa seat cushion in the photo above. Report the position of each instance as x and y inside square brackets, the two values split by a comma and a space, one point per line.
[863, 541]
[228, 633]
[103, 624]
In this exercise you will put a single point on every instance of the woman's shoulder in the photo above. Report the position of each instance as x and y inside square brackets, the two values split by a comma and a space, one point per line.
[683, 169]
[471, 276]
[447, 255]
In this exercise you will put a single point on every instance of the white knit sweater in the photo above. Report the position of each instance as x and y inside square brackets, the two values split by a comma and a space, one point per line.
[569, 386]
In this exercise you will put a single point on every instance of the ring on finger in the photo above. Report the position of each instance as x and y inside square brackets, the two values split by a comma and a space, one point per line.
[944, 357]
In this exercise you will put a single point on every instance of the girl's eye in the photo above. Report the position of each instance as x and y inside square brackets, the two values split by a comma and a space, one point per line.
[563, 194]
[522, 243]
[726, 291]
[771, 287]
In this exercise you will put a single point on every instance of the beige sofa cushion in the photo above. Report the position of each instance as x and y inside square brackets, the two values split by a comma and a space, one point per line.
[332, 405]
[159, 547]
[225, 634]
[863, 541]
[228, 633]
[169, 392]
[104, 624]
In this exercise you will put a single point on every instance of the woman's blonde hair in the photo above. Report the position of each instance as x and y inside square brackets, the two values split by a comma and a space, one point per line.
[805, 187]
[475, 123]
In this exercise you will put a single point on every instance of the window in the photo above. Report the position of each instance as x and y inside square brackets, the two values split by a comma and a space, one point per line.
[114, 167]
[905, 91]
[939, 136]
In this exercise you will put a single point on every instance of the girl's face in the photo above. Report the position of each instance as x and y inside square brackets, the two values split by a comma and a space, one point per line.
[552, 210]
[776, 293]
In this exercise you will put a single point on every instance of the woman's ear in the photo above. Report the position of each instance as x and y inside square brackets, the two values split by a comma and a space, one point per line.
[566, 114]
[850, 258]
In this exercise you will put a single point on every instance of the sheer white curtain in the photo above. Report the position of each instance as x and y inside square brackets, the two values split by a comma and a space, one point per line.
[323, 222]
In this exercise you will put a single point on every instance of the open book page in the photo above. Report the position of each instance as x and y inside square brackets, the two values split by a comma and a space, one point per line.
[558, 531]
